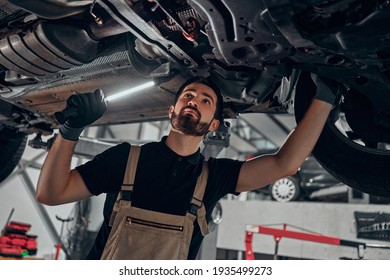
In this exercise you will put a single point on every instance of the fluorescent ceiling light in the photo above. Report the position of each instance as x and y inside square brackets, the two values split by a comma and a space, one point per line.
[130, 91]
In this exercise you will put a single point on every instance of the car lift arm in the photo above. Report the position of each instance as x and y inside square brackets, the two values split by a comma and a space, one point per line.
[319, 238]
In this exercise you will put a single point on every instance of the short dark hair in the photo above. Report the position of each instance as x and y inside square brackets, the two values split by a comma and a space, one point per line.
[208, 82]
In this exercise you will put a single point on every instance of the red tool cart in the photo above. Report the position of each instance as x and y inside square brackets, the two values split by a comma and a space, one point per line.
[14, 240]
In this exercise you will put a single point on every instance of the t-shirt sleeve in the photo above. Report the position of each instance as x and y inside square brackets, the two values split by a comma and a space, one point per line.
[104, 173]
[224, 173]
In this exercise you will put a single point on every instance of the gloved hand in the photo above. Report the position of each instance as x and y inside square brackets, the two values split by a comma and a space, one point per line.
[89, 106]
[326, 89]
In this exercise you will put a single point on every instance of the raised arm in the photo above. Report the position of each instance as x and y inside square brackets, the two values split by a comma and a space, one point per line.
[57, 183]
[266, 169]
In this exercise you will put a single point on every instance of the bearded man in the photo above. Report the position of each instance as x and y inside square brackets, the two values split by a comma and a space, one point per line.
[160, 198]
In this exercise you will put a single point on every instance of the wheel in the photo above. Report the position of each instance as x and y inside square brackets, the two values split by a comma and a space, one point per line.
[351, 148]
[12, 146]
[285, 189]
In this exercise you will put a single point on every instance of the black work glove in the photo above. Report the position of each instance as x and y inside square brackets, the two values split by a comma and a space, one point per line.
[89, 106]
[327, 89]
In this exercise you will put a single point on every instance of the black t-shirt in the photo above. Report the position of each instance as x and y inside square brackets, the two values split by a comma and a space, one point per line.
[164, 182]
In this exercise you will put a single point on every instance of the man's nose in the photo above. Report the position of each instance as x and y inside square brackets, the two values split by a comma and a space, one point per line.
[192, 102]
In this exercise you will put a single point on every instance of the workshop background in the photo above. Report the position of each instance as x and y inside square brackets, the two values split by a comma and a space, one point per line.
[332, 222]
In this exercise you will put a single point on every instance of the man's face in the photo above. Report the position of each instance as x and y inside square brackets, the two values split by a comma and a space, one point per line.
[193, 113]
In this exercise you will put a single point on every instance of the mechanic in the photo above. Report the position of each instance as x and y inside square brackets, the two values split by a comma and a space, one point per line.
[167, 172]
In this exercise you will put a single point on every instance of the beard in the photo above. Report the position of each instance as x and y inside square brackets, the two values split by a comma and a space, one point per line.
[188, 124]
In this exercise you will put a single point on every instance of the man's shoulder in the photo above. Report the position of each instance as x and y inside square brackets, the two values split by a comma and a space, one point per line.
[148, 144]
[221, 166]
[118, 148]
[126, 146]
[212, 161]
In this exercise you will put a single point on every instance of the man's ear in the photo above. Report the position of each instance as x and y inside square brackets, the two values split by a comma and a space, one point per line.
[170, 111]
[214, 125]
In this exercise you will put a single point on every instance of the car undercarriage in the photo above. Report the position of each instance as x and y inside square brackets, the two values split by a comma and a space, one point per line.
[260, 53]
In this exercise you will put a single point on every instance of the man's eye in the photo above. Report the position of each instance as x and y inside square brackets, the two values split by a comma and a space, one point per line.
[207, 101]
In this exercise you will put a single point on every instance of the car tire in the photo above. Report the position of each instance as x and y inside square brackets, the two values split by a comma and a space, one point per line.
[362, 168]
[12, 146]
[285, 189]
